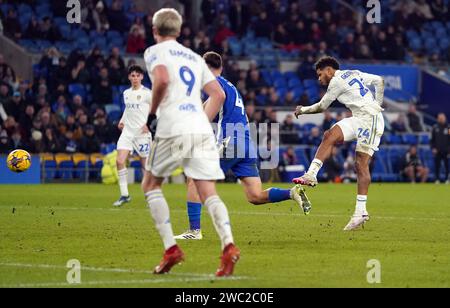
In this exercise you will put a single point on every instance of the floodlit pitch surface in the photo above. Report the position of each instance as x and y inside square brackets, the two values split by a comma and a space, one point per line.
[43, 227]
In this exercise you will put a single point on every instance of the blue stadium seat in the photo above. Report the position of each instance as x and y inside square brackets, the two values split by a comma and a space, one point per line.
[5, 7]
[430, 44]
[410, 139]
[441, 32]
[236, 47]
[50, 169]
[290, 75]
[437, 24]
[78, 89]
[280, 83]
[393, 139]
[444, 43]
[313, 94]
[282, 92]
[310, 83]
[396, 157]
[298, 92]
[307, 127]
[425, 139]
[411, 34]
[65, 170]
[267, 77]
[80, 172]
[295, 83]
[302, 157]
[415, 44]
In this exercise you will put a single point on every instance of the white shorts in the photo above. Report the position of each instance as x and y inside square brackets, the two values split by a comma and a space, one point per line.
[367, 132]
[141, 144]
[197, 154]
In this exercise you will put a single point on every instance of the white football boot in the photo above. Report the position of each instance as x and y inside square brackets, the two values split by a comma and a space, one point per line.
[190, 235]
[357, 221]
[298, 194]
[306, 180]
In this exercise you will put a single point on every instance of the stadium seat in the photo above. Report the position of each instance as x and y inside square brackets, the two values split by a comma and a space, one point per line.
[313, 94]
[410, 139]
[295, 83]
[310, 83]
[302, 157]
[49, 172]
[78, 89]
[65, 166]
[279, 83]
[393, 139]
[282, 92]
[266, 75]
[82, 170]
[298, 92]
[307, 127]
[396, 156]
[415, 44]
[425, 139]
[113, 34]
[290, 75]
[444, 43]
[236, 47]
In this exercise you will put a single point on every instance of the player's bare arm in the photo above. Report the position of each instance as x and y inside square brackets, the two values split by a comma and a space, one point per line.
[160, 85]
[215, 101]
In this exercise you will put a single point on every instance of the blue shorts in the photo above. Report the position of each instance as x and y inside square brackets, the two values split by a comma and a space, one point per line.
[241, 167]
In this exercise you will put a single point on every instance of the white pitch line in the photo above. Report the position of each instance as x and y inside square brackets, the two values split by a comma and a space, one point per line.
[235, 213]
[119, 282]
[114, 270]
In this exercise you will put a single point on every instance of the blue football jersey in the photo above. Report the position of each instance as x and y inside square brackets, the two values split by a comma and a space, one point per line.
[233, 122]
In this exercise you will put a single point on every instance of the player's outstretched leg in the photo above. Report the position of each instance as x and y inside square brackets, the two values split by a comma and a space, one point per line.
[122, 170]
[159, 210]
[255, 194]
[194, 209]
[361, 216]
[330, 138]
[221, 220]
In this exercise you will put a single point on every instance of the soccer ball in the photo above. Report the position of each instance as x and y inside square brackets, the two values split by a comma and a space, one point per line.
[19, 161]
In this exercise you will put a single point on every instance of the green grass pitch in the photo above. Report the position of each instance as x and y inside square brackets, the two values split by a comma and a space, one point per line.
[42, 227]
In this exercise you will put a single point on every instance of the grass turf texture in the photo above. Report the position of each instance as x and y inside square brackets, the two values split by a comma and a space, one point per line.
[42, 227]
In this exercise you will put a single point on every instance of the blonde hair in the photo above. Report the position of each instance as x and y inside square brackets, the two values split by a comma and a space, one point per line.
[168, 22]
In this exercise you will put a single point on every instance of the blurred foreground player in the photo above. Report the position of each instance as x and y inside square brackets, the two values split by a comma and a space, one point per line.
[183, 136]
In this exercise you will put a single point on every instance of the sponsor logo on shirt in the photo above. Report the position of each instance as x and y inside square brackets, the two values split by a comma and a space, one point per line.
[188, 108]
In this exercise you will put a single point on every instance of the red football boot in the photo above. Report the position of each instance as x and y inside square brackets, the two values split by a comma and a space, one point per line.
[230, 257]
[173, 256]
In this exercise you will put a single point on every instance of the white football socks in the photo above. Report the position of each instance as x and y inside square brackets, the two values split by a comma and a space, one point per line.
[160, 213]
[361, 202]
[315, 167]
[123, 182]
[220, 218]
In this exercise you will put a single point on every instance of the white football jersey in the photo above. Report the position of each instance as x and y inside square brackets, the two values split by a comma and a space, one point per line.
[137, 108]
[351, 89]
[181, 111]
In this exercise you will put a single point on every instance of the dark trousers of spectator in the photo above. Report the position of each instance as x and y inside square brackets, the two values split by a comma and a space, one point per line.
[441, 156]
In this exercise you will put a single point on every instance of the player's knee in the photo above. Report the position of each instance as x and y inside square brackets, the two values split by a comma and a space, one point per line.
[361, 167]
[254, 199]
[120, 162]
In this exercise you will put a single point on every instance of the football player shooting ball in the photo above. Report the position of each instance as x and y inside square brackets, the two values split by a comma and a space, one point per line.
[366, 126]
